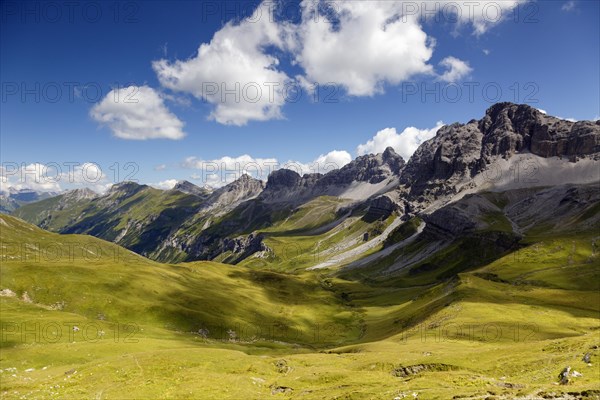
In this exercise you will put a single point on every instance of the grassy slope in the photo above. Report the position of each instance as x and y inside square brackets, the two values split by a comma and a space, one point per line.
[299, 241]
[148, 210]
[518, 320]
[143, 220]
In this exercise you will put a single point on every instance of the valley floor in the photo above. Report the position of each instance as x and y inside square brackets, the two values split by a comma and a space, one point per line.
[105, 323]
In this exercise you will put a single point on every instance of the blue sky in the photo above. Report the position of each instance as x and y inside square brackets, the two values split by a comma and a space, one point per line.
[62, 63]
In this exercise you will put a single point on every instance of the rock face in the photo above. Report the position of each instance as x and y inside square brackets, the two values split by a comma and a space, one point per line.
[283, 178]
[406, 371]
[447, 164]
[72, 197]
[440, 164]
[510, 128]
[380, 208]
[286, 183]
[288, 186]
[243, 189]
[464, 216]
[560, 205]
[372, 168]
[243, 247]
[79, 194]
[190, 188]
[208, 246]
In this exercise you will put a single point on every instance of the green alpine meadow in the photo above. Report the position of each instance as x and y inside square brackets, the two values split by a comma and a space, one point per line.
[299, 199]
[299, 288]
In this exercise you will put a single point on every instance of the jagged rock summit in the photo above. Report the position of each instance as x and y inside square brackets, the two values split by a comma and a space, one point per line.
[508, 128]
[242, 189]
[360, 179]
[189, 188]
[507, 135]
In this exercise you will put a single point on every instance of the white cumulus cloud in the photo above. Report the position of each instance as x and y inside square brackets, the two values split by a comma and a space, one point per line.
[455, 69]
[333, 160]
[137, 113]
[233, 72]
[222, 171]
[358, 46]
[481, 15]
[323, 164]
[361, 45]
[568, 119]
[404, 143]
[35, 176]
[53, 177]
[568, 6]
[165, 185]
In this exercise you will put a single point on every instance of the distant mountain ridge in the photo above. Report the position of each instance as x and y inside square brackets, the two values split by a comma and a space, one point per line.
[371, 173]
[189, 188]
[14, 198]
[511, 147]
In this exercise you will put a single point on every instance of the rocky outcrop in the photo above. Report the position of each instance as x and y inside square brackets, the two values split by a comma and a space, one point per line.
[410, 370]
[509, 128]
[285, 181]
[78, 195]
[244, 246]
[125, 189]
[288, 186]
[209, 246]
[189, 188]
[283, 178]
[227, 197]
[380, 208]
[441, 164]
[463, 218]
[372, 168]
[447, 164]
[562, 206]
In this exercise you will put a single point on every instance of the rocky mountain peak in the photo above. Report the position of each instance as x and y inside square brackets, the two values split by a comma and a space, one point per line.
[510, 128]
[80, 194]
[393, 159]
[244, 188]
[189, 188]
[447, 163]
[125, 189]
[245, 178]
[283, 178]
[246, 182]
[509, 116]
[288, 185]
[372, 168]
[390, 153]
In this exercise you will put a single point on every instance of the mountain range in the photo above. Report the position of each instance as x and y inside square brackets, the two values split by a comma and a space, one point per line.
[14, 198]
[469, 271]
[513, 147]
